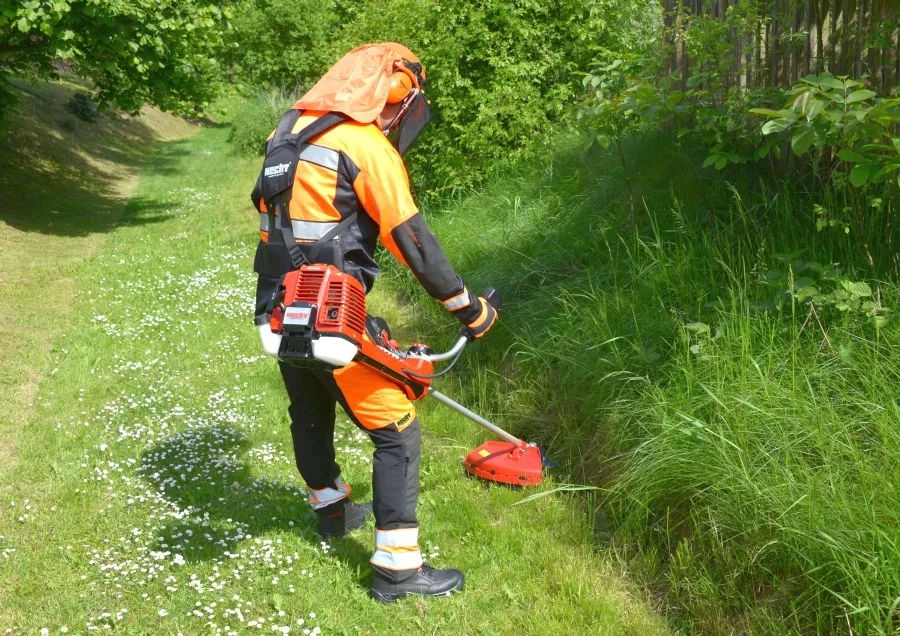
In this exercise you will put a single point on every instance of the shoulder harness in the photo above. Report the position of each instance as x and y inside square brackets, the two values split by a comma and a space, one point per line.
[276, 180]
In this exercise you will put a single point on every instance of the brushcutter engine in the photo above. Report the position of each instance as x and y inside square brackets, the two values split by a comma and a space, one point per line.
[320, 314]
[317, 319]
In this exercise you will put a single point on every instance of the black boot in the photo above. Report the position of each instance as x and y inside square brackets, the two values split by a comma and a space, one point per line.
[342, 517]
[427, 581]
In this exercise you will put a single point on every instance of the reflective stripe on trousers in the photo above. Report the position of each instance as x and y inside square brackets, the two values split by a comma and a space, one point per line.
[327, 496]
[303, 230]
[397, 549]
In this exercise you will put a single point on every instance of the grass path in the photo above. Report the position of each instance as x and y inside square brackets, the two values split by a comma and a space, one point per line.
[155, 490]
[64, 185]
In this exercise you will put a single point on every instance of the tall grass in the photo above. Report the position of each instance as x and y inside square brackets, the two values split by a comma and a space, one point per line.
[748, 453]
[253, 120]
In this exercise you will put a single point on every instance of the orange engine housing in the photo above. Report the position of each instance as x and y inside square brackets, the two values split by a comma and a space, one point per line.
[318, 301]
[339, 298]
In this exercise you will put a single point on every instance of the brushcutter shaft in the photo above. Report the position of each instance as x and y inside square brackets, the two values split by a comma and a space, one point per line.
[493, 428]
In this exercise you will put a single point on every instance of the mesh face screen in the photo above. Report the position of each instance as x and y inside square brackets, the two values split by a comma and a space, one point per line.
[415, 120]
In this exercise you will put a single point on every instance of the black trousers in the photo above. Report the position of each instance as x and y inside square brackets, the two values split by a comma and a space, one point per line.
[395, 467]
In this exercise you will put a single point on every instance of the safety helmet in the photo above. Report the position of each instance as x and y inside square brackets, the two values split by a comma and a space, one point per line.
[365, 80]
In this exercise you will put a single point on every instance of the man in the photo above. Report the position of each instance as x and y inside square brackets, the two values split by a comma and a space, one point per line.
[351, 189]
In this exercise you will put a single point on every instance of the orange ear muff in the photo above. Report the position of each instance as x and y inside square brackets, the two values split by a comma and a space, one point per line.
[401, 84]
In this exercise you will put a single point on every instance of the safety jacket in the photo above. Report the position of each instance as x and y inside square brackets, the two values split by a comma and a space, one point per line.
[352, 169]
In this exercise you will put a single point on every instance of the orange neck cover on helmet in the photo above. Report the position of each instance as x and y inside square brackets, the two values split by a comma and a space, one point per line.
[359, 84]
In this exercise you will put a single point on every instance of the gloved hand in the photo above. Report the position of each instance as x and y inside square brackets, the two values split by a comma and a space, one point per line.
[486, 319]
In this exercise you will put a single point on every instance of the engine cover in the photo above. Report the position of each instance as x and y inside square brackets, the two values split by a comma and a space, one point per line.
[322, 317]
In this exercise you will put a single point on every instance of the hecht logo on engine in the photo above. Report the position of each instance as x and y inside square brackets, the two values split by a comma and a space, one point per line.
[296, 316]
[275, 171]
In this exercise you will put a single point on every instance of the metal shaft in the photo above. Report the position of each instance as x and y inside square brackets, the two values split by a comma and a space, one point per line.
[493, 428]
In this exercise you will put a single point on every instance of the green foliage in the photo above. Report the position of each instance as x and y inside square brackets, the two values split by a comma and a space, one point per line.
[82, 107]
[500, 73]
[840, 116]
[134, 51]
[829, 135]
[816, 286]
[279, 44]
[254, 119]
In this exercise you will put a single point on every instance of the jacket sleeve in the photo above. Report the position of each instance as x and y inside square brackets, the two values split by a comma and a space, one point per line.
[383, 189]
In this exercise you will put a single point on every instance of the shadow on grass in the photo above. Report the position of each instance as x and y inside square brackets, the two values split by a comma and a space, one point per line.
[203, 472]
[65, 177]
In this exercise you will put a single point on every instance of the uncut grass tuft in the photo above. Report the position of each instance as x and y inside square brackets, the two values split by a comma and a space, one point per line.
[747, 454]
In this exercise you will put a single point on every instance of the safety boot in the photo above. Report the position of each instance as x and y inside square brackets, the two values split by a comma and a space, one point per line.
[341, 517]
[426, 581]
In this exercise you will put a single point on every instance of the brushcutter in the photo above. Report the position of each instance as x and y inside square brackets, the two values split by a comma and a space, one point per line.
[317, 319]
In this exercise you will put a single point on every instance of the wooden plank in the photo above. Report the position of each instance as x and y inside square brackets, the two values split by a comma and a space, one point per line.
[807, 49]
[897, 57]
[845, 36]
[857, 65]
[774, 57]
[821, 12]
[794, 49]
[759, 43]
[832, 38]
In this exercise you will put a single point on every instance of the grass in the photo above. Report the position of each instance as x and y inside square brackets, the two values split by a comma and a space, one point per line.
[64, 184]
[154, 489]
[748, 455]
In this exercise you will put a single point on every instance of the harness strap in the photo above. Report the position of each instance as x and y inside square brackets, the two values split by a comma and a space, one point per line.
[279, 202]
[333, 232]
[285, 126]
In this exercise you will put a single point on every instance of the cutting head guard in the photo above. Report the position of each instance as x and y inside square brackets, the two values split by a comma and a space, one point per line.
[370, 77]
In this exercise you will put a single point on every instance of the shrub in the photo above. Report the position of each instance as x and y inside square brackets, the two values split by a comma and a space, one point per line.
[500, 73]
[253, 120]
[279, 43]
[82, 107]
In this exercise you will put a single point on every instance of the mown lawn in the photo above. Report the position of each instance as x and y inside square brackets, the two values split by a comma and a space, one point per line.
[153, 488]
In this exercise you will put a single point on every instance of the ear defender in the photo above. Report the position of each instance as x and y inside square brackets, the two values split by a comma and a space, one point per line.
[401, 84]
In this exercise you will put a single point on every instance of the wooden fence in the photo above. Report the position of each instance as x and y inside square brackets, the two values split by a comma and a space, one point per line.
[774, 42]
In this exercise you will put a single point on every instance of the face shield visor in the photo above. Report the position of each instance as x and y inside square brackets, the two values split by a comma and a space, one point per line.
[413, 118]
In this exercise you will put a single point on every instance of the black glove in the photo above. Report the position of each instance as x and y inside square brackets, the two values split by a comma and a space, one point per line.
[477, 313]
[485, 320]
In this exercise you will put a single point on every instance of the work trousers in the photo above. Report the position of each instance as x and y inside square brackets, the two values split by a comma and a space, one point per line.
[381, 409]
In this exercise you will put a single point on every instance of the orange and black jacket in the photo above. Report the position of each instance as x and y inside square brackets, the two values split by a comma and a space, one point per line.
[353, 168]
